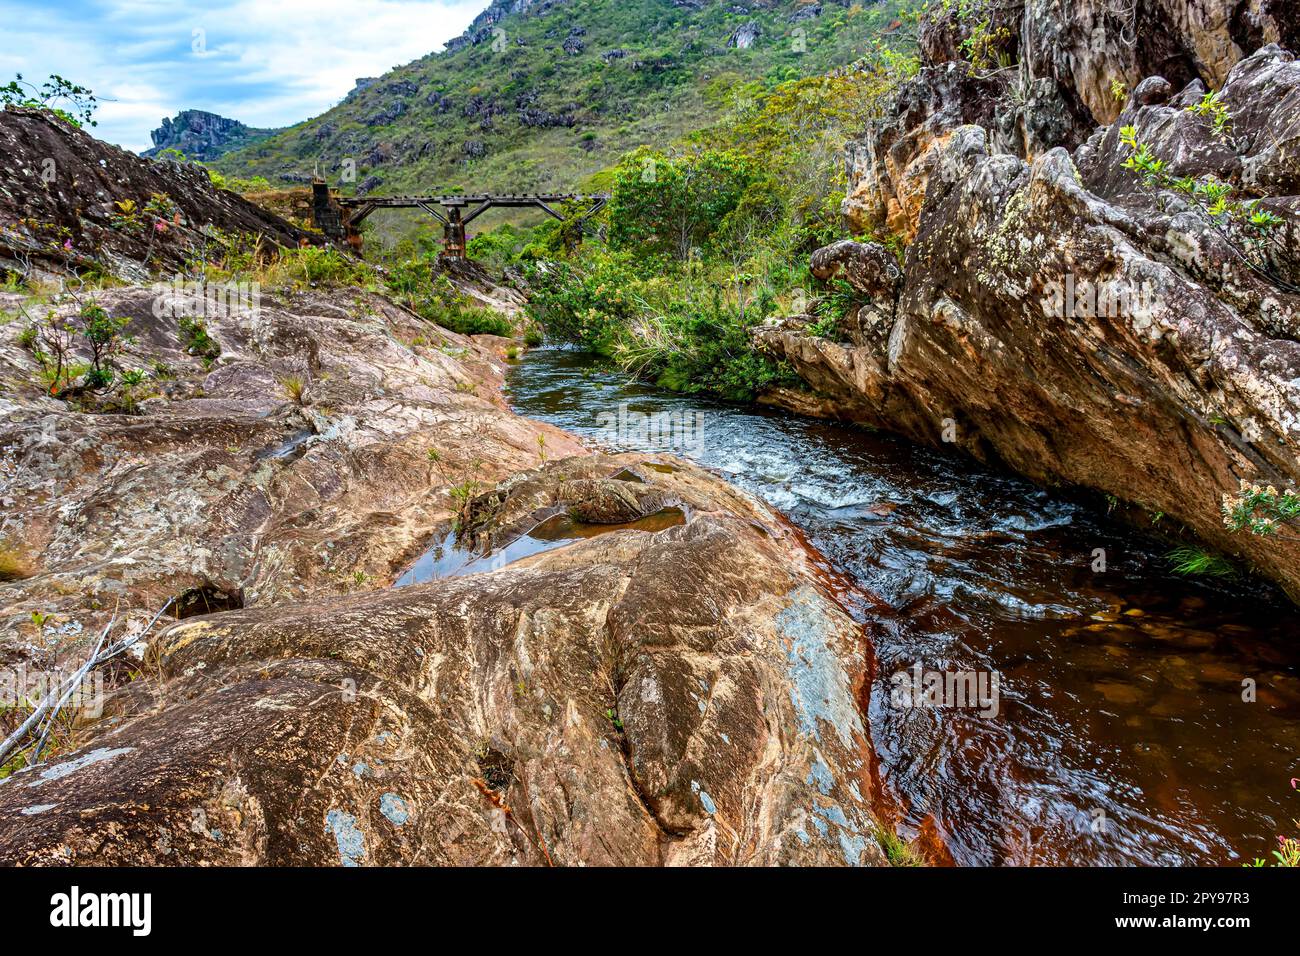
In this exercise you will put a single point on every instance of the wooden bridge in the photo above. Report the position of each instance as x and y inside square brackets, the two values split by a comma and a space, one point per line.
[339, 218]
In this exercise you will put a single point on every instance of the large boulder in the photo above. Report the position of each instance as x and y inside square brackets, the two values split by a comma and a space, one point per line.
[1061, 317]
[683, 696]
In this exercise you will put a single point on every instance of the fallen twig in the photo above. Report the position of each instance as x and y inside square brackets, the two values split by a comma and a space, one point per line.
[53, 702]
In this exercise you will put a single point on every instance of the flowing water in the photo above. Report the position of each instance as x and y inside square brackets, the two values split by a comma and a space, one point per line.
[1121, 733]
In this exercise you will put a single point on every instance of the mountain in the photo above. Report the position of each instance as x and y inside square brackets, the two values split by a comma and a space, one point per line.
[540, 94]
[203, 136]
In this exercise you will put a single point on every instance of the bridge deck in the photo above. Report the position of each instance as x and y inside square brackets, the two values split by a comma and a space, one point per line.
[465, 199]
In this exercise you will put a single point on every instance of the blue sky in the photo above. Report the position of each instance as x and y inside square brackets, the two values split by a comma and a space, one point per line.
[264, 62]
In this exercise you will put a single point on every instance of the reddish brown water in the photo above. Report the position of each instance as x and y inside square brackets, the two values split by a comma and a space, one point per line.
[1121, 735]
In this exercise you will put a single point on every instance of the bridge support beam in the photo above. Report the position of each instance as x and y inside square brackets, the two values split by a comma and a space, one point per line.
[453, 235]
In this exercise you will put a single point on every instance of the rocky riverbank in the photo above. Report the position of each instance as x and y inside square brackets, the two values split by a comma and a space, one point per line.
[687, 695]
[1081, 321]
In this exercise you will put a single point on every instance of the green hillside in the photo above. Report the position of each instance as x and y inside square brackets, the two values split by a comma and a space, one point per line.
[540, 94]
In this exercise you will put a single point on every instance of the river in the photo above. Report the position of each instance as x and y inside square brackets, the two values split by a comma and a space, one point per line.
[1123, 734]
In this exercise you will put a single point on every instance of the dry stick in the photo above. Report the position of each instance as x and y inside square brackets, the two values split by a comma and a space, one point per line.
[67, 690]
[12, 740]
[132, 639]
[98, 657]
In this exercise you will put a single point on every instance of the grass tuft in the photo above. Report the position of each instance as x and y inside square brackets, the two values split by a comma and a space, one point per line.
[1200, 562]
[898, 851]
[294, 388]
[14, 565]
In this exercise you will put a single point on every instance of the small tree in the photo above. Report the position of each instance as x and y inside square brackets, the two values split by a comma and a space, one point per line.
[666, 204]
[53, 341]
[65, 99]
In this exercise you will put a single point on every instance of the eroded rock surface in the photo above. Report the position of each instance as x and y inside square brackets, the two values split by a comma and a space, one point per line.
[689, 696]
[1179, 378]
[1037, 74]
[226, 483]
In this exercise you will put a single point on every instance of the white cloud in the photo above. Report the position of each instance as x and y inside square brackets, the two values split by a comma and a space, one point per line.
[264, 62]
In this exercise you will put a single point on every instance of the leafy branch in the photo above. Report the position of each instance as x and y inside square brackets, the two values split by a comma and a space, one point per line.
[1211, 195]
[60, 96]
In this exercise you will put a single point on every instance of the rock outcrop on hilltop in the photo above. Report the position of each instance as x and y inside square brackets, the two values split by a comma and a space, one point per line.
[69, 202]
[203, 136]
[1084, 326]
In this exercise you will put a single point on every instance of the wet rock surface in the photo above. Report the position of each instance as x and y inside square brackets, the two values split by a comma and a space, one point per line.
[683, 697]
[680, 692]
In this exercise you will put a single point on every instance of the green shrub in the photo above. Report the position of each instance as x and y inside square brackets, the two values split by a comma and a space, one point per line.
[419, 285]
[196, 340]
[682, 335]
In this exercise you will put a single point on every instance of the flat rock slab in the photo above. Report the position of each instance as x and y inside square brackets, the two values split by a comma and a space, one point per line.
[688, 696]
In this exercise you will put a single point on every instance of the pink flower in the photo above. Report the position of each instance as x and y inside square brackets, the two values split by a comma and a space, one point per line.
[67, 244]
[160, 226]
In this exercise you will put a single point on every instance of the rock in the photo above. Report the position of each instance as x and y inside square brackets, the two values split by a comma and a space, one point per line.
[684, 697]
[890, 165]
[545, 119]
[400, 88]
[1060, 318]
[388, 114]
[1083, 46]
[1153, 91]
[867, 267]
[60, 208]
[745, 35]
[229, 484]
[203, 136]
[439, 102]
[1067, 59]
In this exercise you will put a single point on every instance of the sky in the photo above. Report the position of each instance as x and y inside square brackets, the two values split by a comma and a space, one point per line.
[263, 62]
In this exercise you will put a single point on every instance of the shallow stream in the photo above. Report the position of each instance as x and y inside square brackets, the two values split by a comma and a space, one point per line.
[1121, 733]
